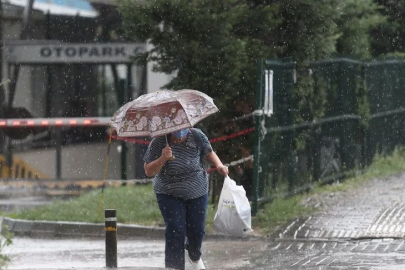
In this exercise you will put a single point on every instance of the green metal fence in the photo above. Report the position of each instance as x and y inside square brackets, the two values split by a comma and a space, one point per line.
[362, 108]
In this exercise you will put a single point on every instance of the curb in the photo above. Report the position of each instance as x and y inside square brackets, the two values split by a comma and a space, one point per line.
[50, 229]
[57, 229]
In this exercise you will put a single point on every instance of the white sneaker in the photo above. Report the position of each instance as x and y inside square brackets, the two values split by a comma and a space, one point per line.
[197, 265]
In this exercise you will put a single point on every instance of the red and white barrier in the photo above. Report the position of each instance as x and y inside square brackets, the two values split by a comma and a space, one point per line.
[54, 122]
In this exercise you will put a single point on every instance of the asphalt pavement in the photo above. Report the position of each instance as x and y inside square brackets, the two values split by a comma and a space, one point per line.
[362, 228]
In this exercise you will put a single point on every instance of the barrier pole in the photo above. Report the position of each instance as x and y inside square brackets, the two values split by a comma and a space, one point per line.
[110, 238]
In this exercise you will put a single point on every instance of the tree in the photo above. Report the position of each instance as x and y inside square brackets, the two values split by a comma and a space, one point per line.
[389, 37]
[211, 46]
[308, 29]
[194, 39]
[357, 18]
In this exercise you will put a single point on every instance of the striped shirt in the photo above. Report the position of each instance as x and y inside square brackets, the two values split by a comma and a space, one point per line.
[184, 177]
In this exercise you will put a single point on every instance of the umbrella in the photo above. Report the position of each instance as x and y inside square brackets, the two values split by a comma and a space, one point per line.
[162, 112]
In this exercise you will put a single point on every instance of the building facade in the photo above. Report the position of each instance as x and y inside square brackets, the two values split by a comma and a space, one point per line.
[71, 66]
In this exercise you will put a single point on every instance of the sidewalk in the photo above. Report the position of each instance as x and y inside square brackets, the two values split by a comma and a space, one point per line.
[363, 228]
[374, 210]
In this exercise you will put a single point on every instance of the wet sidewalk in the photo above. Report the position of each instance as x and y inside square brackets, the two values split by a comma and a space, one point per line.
[363, 228]
[374, 210]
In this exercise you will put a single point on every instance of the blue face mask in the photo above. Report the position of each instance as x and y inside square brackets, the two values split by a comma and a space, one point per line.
[180, 134]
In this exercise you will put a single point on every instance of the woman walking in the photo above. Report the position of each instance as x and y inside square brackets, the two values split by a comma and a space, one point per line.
[181, 187]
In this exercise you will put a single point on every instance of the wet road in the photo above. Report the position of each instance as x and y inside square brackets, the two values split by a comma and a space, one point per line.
[358, 229]
[26, 253]
[137, 254]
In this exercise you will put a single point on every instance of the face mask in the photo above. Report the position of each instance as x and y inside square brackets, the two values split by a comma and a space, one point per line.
[180, 134]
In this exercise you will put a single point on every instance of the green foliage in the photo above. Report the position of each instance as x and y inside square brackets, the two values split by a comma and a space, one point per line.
[310, 96]
[192, 39]
[385, 165]
[211, 46]
[362, 104]
[278, 213]
[5, 240]
[308, 29]
[134, 204]
[356, 20]
[389, 37]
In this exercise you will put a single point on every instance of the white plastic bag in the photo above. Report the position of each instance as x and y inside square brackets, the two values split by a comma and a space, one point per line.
[233, 216]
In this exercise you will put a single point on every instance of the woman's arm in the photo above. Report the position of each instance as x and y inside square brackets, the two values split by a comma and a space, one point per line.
[152, 168]
[214, 160]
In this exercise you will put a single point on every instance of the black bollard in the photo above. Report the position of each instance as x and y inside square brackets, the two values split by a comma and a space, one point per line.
[110, 238]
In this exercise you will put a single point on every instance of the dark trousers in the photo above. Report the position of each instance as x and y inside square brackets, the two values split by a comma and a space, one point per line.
[183, 218]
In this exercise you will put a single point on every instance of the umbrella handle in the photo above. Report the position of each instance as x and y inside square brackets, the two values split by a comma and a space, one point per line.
[167, 144]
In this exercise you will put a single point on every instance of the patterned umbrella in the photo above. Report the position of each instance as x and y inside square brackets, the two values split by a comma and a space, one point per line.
[162, 112]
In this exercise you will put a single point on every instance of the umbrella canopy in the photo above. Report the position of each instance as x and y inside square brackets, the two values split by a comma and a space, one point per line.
[162, 112]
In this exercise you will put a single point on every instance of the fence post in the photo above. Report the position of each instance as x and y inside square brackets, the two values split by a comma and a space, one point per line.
[292, 170]
[316, 158]
[122, 97]
[343, 128]
[110, 238]
[257, 139]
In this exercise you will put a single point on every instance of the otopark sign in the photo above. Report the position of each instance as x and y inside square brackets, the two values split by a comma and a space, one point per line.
[97, 53]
